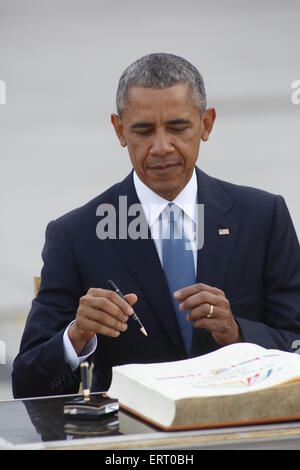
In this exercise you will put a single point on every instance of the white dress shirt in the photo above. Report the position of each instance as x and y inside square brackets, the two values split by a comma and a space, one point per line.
[153, 205]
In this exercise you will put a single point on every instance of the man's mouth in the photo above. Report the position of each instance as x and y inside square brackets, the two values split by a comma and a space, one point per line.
[163, 167]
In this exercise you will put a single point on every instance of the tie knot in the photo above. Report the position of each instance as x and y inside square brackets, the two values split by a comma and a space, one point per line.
[172, 221]
[174, 213]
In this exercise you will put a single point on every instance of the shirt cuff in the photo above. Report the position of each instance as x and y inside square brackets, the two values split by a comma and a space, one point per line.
[71, 357]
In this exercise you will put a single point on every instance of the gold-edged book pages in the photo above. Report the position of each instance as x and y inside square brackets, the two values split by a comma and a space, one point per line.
[238, 384]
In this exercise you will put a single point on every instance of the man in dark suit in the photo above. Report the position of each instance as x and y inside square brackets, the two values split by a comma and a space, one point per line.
[246, 277]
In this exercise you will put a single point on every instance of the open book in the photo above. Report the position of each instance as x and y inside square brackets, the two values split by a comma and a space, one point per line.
[238, 384]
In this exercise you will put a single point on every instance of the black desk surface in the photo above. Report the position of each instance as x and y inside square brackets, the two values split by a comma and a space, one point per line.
[40, 424]
[42, 420]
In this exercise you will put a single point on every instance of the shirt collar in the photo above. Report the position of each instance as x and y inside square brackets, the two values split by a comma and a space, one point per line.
[153, 204]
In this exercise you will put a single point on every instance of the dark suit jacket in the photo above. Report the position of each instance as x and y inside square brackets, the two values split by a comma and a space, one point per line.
[257, 265]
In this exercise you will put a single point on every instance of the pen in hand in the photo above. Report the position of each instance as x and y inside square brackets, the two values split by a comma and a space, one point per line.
[134, 316]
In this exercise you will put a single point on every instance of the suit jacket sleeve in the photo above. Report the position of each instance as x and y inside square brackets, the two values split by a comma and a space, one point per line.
[280, 327]
[40, 367]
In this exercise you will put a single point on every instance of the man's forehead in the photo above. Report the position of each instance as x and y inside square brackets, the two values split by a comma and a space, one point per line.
[180, 90]
[143, 102]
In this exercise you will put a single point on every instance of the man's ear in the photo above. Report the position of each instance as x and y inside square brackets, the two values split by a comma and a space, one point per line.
[118, 126]
[208, 119]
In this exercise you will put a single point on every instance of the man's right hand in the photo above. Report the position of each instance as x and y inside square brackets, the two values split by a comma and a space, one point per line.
[102, 312]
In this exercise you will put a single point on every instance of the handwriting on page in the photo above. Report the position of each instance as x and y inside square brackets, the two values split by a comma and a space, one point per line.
[247, 374]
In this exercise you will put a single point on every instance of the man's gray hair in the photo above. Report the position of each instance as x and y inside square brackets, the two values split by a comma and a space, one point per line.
[159, 71]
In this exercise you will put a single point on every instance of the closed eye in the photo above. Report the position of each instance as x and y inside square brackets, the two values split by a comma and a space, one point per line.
[147, 132]
[178, 129]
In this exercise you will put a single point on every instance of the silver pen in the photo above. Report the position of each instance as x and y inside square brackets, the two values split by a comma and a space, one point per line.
[134, 316]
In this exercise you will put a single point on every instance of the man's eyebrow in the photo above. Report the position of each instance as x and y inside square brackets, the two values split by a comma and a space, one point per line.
[141, 125]
[178, 122]
[173, 122]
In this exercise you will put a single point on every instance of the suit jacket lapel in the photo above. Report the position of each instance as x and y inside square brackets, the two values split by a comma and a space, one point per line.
[213, 259]
[143, 262]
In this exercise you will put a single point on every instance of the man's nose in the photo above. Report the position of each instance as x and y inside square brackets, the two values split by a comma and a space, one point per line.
[161, 145]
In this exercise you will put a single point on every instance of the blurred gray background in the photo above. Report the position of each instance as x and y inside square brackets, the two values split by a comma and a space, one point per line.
[61, 61]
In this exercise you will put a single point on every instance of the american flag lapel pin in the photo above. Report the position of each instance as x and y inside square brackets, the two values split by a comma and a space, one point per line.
[223, 231]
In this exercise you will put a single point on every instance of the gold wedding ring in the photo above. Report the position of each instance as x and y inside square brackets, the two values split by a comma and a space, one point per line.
[211, 312]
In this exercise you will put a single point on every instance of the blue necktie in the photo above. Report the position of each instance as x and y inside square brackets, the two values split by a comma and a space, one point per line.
[178, 265]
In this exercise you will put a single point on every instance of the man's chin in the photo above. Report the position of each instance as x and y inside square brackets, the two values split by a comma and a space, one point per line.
[165, 188]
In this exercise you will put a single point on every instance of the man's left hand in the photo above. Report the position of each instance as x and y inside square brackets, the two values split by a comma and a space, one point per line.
[209, 309]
